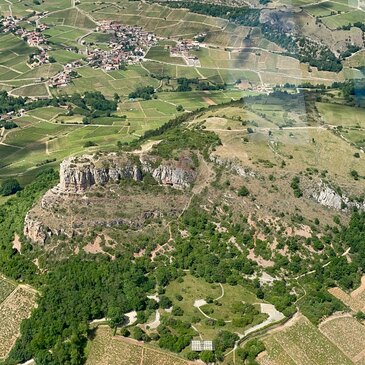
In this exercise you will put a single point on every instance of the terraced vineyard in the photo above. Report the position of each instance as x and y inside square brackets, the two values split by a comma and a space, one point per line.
[6, 287]
[16, 304]
[302, 343]
[348, 334]
[105, 349]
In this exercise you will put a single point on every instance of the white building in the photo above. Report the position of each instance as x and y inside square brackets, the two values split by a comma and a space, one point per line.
[197, 345]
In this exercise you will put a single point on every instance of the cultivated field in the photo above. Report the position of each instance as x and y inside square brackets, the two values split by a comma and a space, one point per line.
[301, 344]
[104, 349]
[47, 135]
[355, 300]
[354, 303]
[339, 20]
[348, 334]
[6, 287]
[16, 304]
[227, 57]
[326, 8]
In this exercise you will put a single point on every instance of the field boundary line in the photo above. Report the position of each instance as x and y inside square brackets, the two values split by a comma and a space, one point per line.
[142, 356]
[334, 317]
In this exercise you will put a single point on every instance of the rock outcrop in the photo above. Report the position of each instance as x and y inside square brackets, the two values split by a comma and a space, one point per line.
[77, 174]
[330, 198]
[34, 229]
[81, 175]
[233, 166]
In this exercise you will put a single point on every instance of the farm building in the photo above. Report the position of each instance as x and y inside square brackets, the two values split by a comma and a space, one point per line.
[199, 346]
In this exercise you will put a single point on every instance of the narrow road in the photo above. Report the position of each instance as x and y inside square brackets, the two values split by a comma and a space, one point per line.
[10, 7]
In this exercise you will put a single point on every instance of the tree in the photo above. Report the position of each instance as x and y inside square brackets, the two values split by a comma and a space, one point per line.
[125, 332]
[251, 349]
[138, 334]
[9, 187]
[115, 316]
[207, 356]
[355, 174]
[243, 191]
[192, 355]
[89, 144]
[165, 302]
[177, 311]
[225, 340]
[295, 184]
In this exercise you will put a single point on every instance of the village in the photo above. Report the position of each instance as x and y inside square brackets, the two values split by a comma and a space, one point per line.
[128, 45]
[34, 38]
[184, 48]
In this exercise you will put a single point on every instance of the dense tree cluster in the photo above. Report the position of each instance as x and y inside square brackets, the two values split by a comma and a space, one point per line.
[303, 49]
[175, 335]
[185, 84]
[143, 92]
[9, 187]
[250, 350]
[12, 214]
[10, 103]
[8, 124]
[91, 103]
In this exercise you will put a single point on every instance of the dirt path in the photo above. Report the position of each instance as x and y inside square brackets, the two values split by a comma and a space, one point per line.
[17, 243]
[10, 7]
[146, 147]
[222, 295]
[274, 316]
[156, 322]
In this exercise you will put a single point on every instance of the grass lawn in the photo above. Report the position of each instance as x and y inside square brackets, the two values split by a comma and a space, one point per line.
[192, 289]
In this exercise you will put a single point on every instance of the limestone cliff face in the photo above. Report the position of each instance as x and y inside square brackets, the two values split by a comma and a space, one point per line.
[34, 230]
[80, 174]
[177, 176]
[328, 197]
[77, 174]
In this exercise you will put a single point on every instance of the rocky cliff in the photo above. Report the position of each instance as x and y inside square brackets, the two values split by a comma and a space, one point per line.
[328, 197]
[80, 175]
[77, 174]
[233, 166]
